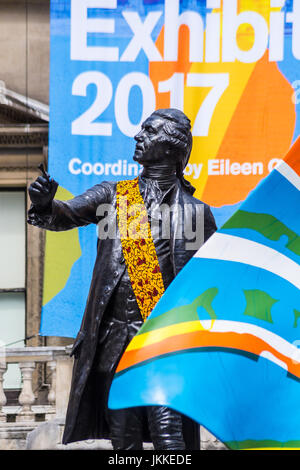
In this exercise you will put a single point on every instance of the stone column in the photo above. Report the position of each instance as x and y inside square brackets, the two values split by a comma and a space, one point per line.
[52, 391]
[3, 399]
[64, 365]
[26, 397]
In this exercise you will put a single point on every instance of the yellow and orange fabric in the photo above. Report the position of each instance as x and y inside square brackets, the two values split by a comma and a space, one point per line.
[138, 246]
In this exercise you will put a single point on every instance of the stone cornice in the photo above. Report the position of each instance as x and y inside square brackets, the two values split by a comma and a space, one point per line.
[26, 135]
[15, 107]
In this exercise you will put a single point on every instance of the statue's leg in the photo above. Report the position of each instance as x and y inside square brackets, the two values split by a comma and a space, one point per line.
[165, 426]
[126, 429]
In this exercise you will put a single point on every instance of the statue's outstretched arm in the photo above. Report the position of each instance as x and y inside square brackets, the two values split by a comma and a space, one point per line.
[52, 214]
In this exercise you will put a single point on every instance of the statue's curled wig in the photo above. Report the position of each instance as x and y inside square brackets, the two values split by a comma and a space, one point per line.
[177, 128]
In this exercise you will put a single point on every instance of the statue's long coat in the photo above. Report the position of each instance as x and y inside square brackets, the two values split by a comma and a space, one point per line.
[85, 418]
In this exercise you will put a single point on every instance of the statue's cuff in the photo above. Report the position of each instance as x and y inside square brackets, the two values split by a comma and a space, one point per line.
[40, 216]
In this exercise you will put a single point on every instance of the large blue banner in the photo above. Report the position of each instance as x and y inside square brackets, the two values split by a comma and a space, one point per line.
[231, 66]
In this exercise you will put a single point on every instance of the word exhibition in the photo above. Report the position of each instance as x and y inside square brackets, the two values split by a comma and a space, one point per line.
[205, 44]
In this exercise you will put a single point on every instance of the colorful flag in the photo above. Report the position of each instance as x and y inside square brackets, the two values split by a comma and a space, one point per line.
[221, 346]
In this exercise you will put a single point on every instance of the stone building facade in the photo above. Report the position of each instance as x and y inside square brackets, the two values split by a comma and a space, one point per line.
[24, 119]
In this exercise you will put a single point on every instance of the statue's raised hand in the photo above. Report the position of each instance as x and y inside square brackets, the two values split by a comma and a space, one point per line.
[43, 189]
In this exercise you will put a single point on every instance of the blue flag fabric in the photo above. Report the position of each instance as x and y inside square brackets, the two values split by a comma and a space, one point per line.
[221, 344]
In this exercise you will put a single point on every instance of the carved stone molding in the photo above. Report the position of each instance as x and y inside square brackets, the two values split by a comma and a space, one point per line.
[17, 168]
[15, 107]
[11, 115]
[27, 135]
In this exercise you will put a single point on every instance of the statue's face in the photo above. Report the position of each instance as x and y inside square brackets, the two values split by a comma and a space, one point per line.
[152, 142]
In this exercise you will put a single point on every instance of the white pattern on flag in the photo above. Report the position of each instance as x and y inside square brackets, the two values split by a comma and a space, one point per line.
[285, 170]
[275, 341]
[231, 248]
[279, 344]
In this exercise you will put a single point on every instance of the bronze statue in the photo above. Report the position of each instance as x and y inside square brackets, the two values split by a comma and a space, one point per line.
[112, 315]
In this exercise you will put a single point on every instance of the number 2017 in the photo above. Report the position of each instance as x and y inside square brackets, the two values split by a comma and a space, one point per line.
[85, 125]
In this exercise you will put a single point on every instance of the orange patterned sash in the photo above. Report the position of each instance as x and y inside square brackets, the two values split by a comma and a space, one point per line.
[138, 246]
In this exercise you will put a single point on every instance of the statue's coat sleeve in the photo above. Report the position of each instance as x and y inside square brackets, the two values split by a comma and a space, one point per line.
[76, 212]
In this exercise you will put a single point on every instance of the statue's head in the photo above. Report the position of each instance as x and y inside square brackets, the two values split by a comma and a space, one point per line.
[164, 139]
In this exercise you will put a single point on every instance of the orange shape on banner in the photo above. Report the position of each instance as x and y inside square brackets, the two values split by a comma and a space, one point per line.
[252, 123]
[261, 129]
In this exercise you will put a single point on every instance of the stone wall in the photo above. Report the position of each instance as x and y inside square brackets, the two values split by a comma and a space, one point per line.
[24, 47]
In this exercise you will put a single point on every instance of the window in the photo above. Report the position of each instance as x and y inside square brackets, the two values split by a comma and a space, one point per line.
[12, 276]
